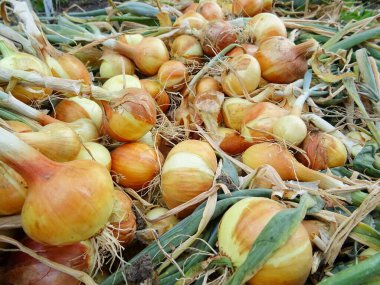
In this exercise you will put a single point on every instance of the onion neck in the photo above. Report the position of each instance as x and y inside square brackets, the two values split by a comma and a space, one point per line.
[5, 49]
[122, 48]
[306, 48]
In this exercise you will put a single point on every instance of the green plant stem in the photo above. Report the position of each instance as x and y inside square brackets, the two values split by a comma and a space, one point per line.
[355, 39]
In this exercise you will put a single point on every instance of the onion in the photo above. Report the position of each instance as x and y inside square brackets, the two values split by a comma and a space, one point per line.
[123, 220]
[264, 26]
[285, 164]
[148, 55]
[13, 190]
[121, 81]
[85, 129]
[216, 36]
[207, 83]
[239, 229]
[233, 111]
[172, 75]
[56, 141]
[210, 10]
[291, 128]
[75, 108]
[188, 171]
[19, 127]
[187, 49]
[258, 121]
[56, 191]
[359, 140]
[150, 139]
[22, 269]
[322, 151]
[282, 61]
[114, 64]
[95, 151]
[191, 19]
[192, 7]
[131, 39]
[130, 117]
[154, 88]
[247, 8]
[231, 141]
[135, 164]
[242, 75]
[244, 48]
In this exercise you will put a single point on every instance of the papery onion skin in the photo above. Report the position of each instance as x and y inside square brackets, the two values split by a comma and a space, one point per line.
[323, 151]
[187, 49]
[247, 8]
[207, 83]
[131, 117]
[210, 10]
[172, 75]
[154, 88]
[115, 64]
[264, 26]
[232, 143]
[85, 129]
[234, 110]
[188, 171]
[135, 164]
[23, 269]
[216, 36]
[290, 128]
[240, 227]
[190, 19]
[95, 151]
[119, 82]
[19, 127]
[244, 48]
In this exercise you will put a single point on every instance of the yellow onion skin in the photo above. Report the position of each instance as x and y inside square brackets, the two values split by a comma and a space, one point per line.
[135, 164]
[187, 49]
[131, 117]
[192, 7]
[282, 61]
[19, 126]
[188, 171]
[232, 142]
[247, 8]
[264, 26]
[154, 88]
[13, 191]
[131, 39]
[240, 227]
[234, 110]
[85, 129]
[190, 19]
[120, 82]
[210, 10]
[206, 84]
[172, 75]
[216, 36]
[258, 121]
[23, 269]
[115, 64]
[243, 74]
[290, 128]
[244, 48]
[75, 108]
[95, 151]
[323, 151]
[123, 220]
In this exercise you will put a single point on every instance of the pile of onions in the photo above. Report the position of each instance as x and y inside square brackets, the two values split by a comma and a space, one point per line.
[240, 227]
[188, 170]
[56, 191]
[217, 35]
[322, 151]
[264, 26]
[172, 75]
[190, 19]
[122, 81]
[130, 117]
[95, 151]
[282, 61]
[187, 49]
[231, 141]
[22, 269]
[233, 111]
[242, 76]
[13, 191]
[135, 164]
[115, 64]
[285, 164]
[207, 83]
[210, 10]
[154, 88]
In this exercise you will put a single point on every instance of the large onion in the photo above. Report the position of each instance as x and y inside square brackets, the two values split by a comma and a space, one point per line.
[187, 49]
[264, 26]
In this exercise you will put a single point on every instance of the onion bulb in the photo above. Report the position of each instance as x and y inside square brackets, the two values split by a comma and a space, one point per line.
[232, 142]
[242, 76]
[240, 227]
[216, 36]
[123, 220]
[322, 151]
[135, 164]
[282, 61]
[13, 191]
[250, 8]
[154, 88]
[291, 128]
[285, 164]
[210, 10]
[191, 7]
[264, 26]
[187, 49]
[242, 49]
[130, 117]
[119, 82]
[75, 108]
[258, 121]
[85, 129]
[56, 191]
[188, 171]
[233, 111]
[114, 64]
[172, 75]
[95, 151]
[206, 84]
[22, 269]
[131, 39]
[191, 19]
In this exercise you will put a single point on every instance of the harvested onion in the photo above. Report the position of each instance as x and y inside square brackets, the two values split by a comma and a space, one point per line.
[233, 111]
[232, 142]
[264, 26]
[114, 64]
[95, 151]
[207, 83]
[187, 49]
[250, 8]
[172, 75]
[121, 81]
[154, 88]
[85, 129]
[19, 127]
[210, 10]
[190, 19]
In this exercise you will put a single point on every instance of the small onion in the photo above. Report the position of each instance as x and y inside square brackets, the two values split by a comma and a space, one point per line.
[233, 111]
[135, 164]
[242, 75]
[207, 83]
[172, 75]
[191, 19]
[322, 151]
[210, 10]
[247, 8]
[240, 227]
[282, 61]
[95, 151]
[154, 88]
[232, 142]
[188, 171]
[290, 128]
[121, 81]
[264, 26]
[216, 36]
[187, 49]
[114, 64]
